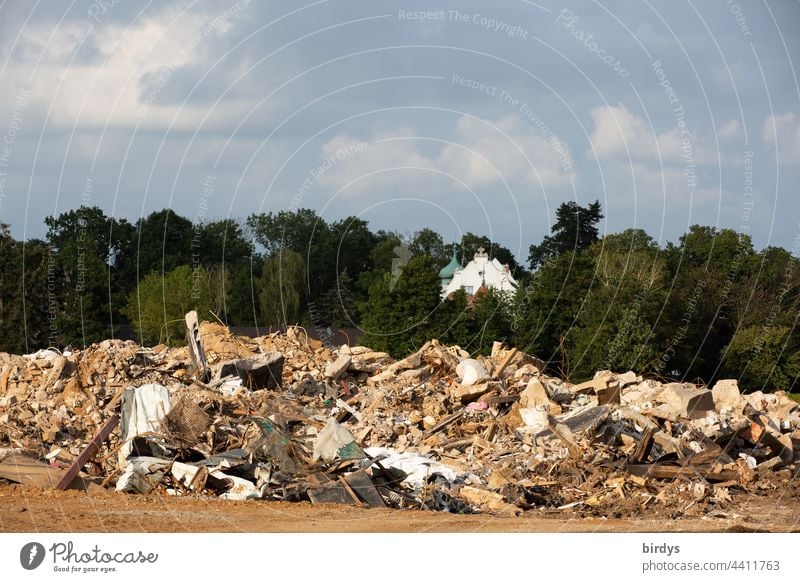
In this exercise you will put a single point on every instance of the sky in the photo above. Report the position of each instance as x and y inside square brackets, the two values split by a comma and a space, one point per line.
[459, 116]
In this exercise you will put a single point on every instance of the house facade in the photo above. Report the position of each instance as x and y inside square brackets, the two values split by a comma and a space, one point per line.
[480, 273]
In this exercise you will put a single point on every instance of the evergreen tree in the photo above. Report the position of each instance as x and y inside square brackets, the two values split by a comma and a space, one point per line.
[575, 229]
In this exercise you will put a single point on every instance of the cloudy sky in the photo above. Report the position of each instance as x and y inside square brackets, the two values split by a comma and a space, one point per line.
[473, 116]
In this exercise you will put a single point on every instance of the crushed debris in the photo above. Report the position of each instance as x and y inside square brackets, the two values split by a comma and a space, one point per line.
[285, 417]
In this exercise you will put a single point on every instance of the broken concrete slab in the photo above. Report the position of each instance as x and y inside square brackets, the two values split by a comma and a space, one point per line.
[256, 372]
[335, 369]
[466, 393]
[534, 395]
[727, 396]
[687, 400]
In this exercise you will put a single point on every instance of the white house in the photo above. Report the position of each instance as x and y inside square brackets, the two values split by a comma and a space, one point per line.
[480, 272]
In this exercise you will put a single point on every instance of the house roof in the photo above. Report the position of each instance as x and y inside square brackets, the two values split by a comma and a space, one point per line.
[450, 268]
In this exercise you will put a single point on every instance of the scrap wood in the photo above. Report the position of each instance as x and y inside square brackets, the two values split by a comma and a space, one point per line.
[642, 449]
[669, 471]
[27, 470]
[88, 453]
[364, 488]
[504, 363]
[444, 422]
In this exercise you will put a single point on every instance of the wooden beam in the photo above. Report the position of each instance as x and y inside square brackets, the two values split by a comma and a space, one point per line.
[443, 423]
[505, 362]
[88, 453]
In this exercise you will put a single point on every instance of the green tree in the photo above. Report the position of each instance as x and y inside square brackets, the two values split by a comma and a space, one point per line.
[220, 242]
[765, 358]
[161, 242]
[429, 242]
[707, 269]
[615, 328]
[338, 305]
[242, 303]
[27, 306]
[87, 244]
[470, 243]
[281, 288]
[546, 311]
[401, 318]
[575, 229]
[160, 302]
[490, 320]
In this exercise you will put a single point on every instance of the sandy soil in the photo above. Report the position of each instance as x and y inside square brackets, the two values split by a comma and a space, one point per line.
[31, 510]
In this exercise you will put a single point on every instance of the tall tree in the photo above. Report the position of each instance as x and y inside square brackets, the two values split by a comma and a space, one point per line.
[547, 310]
[281, 288]
[575, 229]
[305, 233]
[220, 242]
[29, 295]
[87, 247]
[399, 318]
[162, 242]
[705, 269]
[615, 328]
[429, 242]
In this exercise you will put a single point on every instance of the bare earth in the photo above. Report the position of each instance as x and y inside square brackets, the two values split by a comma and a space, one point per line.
[32, 510]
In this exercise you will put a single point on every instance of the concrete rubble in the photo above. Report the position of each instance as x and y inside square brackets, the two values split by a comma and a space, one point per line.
[284, 417]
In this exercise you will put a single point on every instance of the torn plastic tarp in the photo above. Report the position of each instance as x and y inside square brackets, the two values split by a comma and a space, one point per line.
[416, 467]
[336, 441]
[143, 411]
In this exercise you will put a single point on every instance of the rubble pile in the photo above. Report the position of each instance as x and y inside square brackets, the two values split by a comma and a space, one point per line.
[284, 417]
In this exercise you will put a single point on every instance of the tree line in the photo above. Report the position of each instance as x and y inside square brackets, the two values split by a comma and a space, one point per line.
[707, 306]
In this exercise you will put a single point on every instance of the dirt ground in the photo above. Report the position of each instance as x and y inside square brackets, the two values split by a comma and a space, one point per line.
[32, 510]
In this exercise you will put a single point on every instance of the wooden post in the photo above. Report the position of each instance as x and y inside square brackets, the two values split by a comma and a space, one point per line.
[196, 350]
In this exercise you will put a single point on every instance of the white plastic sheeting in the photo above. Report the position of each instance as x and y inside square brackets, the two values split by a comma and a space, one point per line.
[417, 467]
[143, 410]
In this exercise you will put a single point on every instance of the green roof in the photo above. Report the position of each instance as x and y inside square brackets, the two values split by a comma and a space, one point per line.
[449, 270]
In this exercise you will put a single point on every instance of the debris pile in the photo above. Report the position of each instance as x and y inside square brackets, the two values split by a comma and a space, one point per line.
[284, 417]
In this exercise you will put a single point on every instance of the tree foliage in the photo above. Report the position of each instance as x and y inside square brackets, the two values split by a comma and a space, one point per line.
[159, 304]
[575, 229]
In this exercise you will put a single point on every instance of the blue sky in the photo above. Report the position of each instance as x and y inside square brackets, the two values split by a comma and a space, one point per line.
[461, 116]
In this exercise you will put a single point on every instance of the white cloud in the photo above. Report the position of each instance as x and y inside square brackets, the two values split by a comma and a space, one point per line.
[731, 130]
[121, 73]
[518, 154]
[480, 153]
[783, 131]
[619, 133]
[662, 166]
